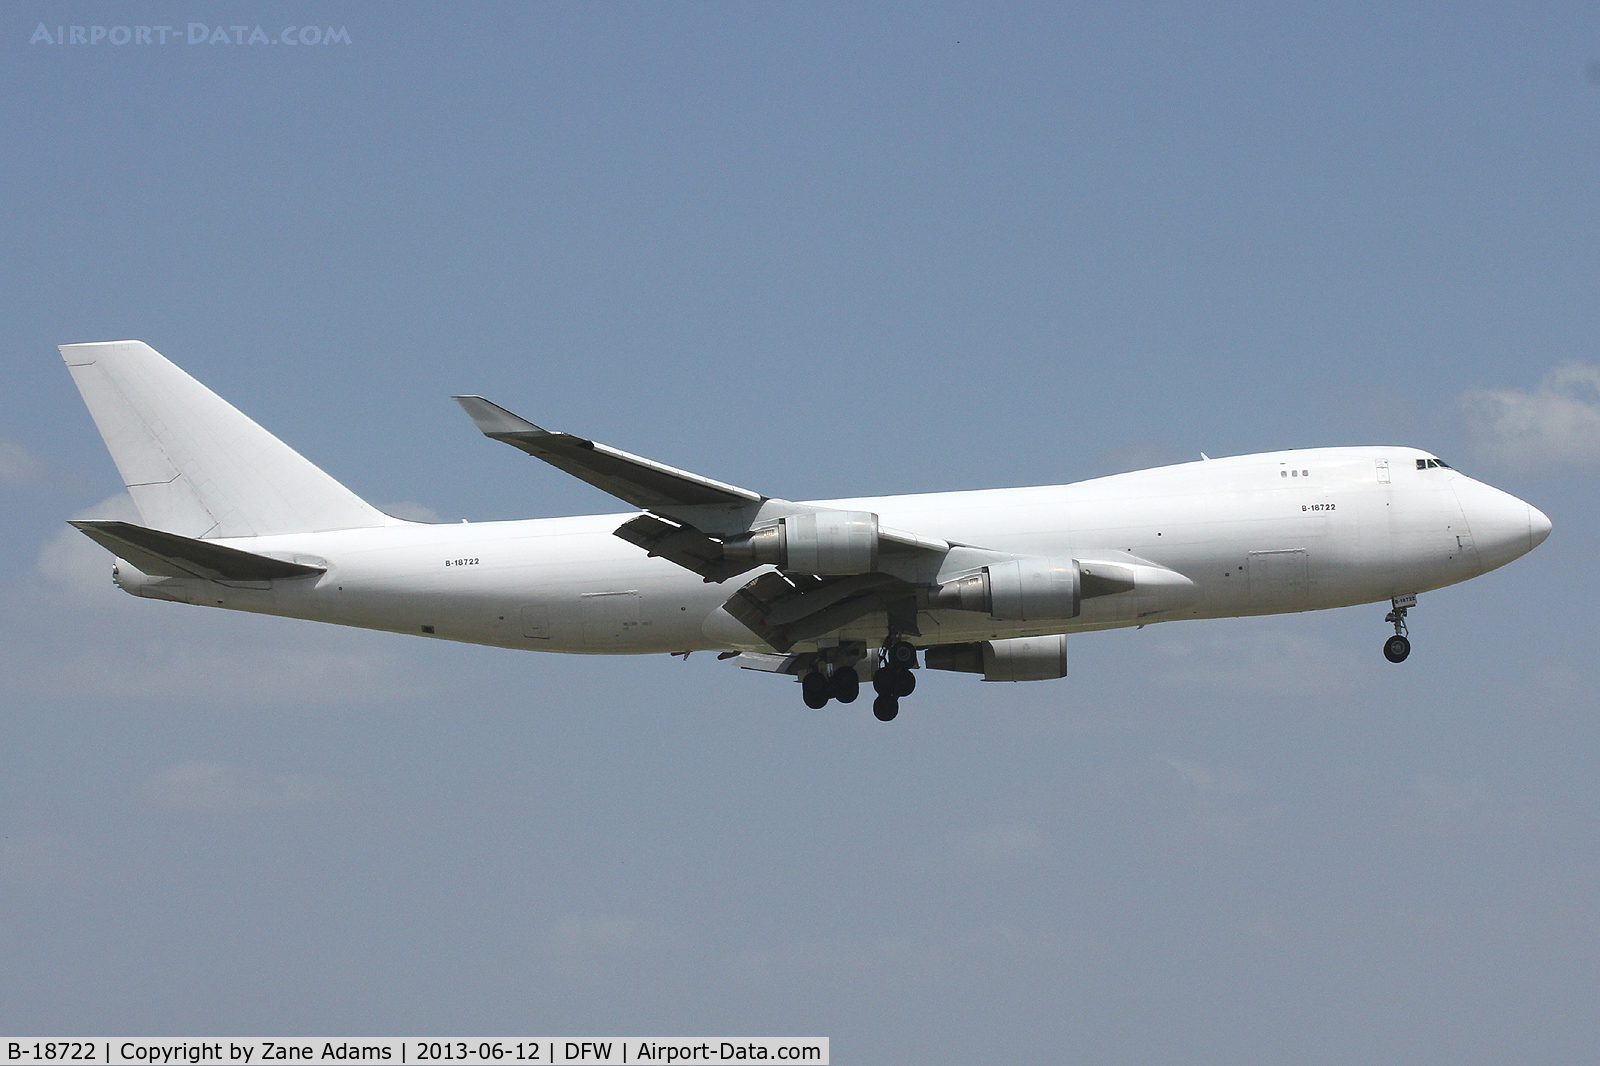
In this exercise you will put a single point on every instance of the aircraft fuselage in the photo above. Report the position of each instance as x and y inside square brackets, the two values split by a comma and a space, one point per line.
[1255, 534]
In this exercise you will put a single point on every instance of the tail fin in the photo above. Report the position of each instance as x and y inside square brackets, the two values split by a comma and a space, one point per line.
[193, 463]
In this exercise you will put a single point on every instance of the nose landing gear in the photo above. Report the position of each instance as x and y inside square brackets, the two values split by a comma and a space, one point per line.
[1397, 647]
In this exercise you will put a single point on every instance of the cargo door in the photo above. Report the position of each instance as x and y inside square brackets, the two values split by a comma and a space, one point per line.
[609, 617]
[1279, 578]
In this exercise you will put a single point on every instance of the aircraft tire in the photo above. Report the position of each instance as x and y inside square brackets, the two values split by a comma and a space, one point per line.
[845, 684]
[902, 654]
[1396, 648]
[884, 708]
[907, 685]
[886, 682]
[814, 690]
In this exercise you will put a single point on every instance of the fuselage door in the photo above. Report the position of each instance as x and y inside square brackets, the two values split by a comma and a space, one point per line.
[609, 617]
[1278, 578]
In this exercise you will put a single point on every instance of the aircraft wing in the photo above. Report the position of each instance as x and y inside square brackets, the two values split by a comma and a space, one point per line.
[642, 482]
[782, 608]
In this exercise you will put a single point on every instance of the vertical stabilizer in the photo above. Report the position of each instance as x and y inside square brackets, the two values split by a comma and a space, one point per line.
[193, 463]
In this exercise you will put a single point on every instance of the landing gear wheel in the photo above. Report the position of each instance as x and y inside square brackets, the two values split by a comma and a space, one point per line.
[845, 685]
[1396, 648]
[907, 683]
[884, 708]
[886, 682]
[814, 690]
[901, 654]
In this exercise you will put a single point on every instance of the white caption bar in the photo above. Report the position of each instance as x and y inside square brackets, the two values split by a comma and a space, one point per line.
[394, 1051]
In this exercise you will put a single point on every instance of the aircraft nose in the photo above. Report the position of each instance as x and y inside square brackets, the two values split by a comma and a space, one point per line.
[1538, 526]
[1503, 527]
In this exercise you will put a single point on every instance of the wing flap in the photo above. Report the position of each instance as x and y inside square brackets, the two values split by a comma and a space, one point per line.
[783, 613]
[684, 545]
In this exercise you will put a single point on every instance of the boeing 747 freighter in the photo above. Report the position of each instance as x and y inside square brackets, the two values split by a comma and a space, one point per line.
[832, 592]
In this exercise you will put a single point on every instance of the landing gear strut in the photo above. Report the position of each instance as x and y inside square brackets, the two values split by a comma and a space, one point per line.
[1397, 647]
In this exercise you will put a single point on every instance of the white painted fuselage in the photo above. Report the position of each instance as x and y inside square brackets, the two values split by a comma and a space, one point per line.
[1254, 534]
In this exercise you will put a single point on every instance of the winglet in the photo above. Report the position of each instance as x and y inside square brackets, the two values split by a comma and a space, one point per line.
[493, 419]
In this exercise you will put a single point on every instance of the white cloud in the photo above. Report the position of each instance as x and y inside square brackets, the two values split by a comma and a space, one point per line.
[219, 788]
[1141, 455]
[411, 511]
[18, 466]
[71, 559]
[1558, 422]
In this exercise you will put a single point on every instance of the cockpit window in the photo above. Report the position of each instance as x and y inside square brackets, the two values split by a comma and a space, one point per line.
[1425, 464]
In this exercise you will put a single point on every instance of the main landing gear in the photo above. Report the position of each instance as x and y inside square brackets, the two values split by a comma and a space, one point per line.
[817, 688]
[892, 680]
[1397, 647]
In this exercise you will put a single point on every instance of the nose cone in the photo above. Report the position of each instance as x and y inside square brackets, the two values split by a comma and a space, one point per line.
[1538, 527]
[1503, 527]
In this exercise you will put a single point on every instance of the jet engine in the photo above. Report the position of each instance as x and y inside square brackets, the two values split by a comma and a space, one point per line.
[1014, 659]
[1016, 590]
[826, 543]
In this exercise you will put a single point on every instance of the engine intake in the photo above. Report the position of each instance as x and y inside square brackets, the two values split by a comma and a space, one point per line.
[826, 543]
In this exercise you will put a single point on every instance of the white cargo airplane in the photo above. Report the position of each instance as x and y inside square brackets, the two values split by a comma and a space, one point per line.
[987, 582]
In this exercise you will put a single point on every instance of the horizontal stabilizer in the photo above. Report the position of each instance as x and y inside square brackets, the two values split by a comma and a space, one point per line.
[169, 555]
[641, 482]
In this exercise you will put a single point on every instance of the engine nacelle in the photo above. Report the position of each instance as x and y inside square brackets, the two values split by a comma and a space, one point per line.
[828, 543]
[1016, 590]
[1014, 659]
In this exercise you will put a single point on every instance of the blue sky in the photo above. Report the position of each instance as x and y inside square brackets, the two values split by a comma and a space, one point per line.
[818, 251]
